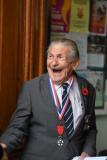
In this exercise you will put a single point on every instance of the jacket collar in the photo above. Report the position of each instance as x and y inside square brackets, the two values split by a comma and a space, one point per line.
[84, 90]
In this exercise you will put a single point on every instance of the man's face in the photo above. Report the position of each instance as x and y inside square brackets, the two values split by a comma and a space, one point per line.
[58, 65]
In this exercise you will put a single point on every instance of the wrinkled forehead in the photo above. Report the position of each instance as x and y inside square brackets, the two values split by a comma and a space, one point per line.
[58, 47]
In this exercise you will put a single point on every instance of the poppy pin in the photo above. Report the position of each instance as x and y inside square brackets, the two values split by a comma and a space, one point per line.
[85, 91]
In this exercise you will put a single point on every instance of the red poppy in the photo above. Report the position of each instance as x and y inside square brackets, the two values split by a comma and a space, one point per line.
[60, 129]
[85, 91]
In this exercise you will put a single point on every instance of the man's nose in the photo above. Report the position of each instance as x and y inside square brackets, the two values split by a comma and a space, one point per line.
[55, 61]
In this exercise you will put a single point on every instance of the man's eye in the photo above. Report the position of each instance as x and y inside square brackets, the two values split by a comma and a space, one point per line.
[50, 56]
[61, 57]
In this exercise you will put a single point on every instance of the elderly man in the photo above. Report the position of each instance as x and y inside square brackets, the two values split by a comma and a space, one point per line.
[55, 111]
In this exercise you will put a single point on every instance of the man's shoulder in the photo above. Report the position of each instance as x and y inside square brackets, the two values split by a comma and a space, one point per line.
[35, 82]
[84, 81]
[38, 78]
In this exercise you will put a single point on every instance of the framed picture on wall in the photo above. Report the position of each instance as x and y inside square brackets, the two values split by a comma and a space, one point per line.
[97, 79]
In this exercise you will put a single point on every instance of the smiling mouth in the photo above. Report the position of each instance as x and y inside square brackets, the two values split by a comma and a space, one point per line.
[56, 70]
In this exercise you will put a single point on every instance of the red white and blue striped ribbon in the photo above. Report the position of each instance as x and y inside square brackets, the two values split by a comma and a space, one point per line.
[60, 110]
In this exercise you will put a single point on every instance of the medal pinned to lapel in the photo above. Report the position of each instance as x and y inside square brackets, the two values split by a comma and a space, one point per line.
[60, 131]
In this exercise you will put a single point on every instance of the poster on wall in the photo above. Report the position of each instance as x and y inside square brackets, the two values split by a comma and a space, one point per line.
[79, 16]
[60, 15]
[96, 51]
[98, 17]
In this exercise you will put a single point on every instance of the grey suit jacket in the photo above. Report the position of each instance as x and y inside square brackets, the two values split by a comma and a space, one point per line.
[36, 118]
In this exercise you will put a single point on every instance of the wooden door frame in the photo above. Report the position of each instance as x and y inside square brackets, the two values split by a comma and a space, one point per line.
[35, 31]
[23, 41]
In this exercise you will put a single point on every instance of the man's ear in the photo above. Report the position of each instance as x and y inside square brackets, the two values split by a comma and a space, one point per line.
[76, 63]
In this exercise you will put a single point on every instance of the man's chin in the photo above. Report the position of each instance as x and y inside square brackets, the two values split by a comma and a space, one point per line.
[58, 82]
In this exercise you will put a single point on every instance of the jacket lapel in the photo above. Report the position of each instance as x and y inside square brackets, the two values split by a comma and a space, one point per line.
[83, 89]
[47, 95]
[84, 97]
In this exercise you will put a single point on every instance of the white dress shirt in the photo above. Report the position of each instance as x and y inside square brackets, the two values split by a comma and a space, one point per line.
[75, 98]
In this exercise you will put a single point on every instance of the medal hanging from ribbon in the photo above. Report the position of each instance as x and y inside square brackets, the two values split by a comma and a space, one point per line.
[60, 111]
[60, 131]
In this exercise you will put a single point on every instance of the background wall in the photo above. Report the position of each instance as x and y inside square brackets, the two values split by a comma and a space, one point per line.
[102, 132]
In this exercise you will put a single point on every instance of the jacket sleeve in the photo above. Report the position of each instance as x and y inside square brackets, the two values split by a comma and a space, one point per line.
[19, 123]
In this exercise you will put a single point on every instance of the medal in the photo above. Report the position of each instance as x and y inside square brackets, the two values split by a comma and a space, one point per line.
[60, 141]
[60, 111]
[60, 130]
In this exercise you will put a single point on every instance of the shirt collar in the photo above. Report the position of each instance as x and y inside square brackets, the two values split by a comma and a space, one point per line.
[69, 81]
